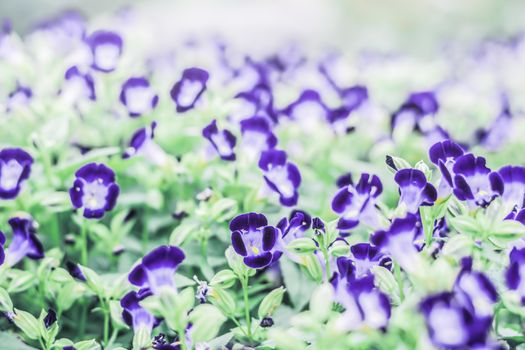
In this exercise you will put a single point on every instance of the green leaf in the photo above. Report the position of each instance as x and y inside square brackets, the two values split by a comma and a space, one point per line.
[302, 245]
[298, 285]
[27, 323]
[225, 278]
[207, 321]
[10, 341]
[223, 300]
[6, 305]
[271, 302]
[321, 302]
[182, 232]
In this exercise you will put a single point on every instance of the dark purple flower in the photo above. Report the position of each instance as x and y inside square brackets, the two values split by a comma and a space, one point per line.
[318, 225]
[474, 182]
[75, 271]
[401, 241]
[344, 180]
[414, 189]
[281, 176]
[444, 155]
[453, 325]
[135, 315]
[15, 167]
[253, 239]
[157, 269]
[50, 318]
[94, 190]
[19, 97]
[77, 86]
[475, 290]
[138, 96]
[356, 203]
[106, 49]
[25, 242]
[417, 113]
[339, 119]
[365, 256]
[142, 144]
[309, 109]
[515, 274]
[257, 134]
[258, 101]
[223, 141]
[187, 91]
[514, 185]
[365, 306]
[2, 252]
[294, 227]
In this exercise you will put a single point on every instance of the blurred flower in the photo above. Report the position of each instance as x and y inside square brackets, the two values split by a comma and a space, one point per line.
[77, 86]
[309, 110]
[2, 252]
[15, 168]
[513, 178]
[356, 204]
[281, 176]
[257, 135]
[75, 271]
[364, 256]
[365, 306]
[25, 242]
[453, 325]
[135, 315]
[142, 144]
[157, 269]
[19, 97]
[414, 189]
[474, 182]
[188, 90]
[515, 274]
[444, 155]
[253, 239]
[138, 96]
[106, 49]
[401, 241]
[223, 141]
[94, 190]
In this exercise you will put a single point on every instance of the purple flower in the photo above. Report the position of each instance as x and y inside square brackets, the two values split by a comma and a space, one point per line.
[106, 48]
[281, 176]
[295, 226]
[453, 325]
[253, 239]
[15, 167]
[24, 243]
[514, 185]
[414, 189]
[94, 190]
[365, 306]
[19, 97]
[417, 113]
[157, 269]
[475, 290]
[2, 252]
[259, 101]
[309, 109]
[223, 141]
[356, 203]
[344, 180]
[77, 86]
[142, 144]
[138, 96]
[75, 271]
[495, 136]
[135, 315]
[474, 182]
[401, 241]
[515, 274]
[444, 155]
[365, 256]
[257, 134]
[353, 97]
[187, 91]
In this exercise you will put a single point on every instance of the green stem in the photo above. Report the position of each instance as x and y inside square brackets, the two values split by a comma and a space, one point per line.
[182, 339]
[327, 264]
[83, 244]
[145, 233]
[83, 317]
[399, 279]
[244, 283]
